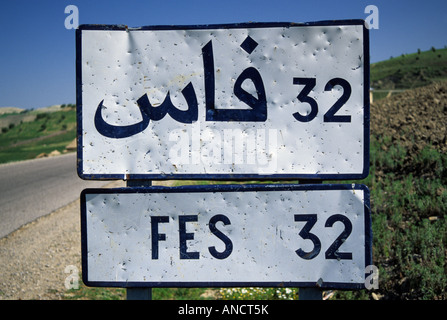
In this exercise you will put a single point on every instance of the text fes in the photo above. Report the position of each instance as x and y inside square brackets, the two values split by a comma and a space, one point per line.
[184, 236]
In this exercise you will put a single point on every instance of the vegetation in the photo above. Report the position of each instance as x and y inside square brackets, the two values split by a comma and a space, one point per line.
[89, 293]
[409, 208]
[410, 70]
[258, 293]
[49, 131]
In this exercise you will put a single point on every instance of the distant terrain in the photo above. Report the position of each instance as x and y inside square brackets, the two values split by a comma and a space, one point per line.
[27, 134]
[408, 71]
[8, 110]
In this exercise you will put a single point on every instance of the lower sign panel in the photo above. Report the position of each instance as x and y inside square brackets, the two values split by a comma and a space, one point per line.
[229, 235]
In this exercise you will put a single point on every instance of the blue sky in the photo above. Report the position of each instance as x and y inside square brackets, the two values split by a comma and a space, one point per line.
[37, 53]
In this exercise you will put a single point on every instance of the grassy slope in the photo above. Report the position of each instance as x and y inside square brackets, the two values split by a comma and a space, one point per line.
[409, 207]
[48, 132]
[410, 70]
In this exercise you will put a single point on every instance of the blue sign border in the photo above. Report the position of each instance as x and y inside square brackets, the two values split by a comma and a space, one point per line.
[227, 188]
[227, 176]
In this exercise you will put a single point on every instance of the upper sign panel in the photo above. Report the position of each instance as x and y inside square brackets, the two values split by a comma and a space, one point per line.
[262, 101]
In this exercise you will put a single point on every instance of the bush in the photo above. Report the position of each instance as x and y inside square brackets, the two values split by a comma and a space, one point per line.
[41, 116]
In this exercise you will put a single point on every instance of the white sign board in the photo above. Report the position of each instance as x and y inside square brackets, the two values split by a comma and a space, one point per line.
[276, 100]
[227, 235]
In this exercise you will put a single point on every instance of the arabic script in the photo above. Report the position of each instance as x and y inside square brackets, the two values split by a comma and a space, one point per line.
[257, 111]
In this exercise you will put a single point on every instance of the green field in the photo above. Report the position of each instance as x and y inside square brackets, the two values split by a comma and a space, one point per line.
[408, 71]
[49, 131]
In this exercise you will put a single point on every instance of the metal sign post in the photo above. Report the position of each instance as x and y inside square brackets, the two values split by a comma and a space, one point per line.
[310, 294]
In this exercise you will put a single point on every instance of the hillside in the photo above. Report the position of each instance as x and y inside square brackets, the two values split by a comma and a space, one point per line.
[408, 71]
[29, 134]
[4, 110]
[11, 116]
[414, 118]
[408, 184]
[408, 179]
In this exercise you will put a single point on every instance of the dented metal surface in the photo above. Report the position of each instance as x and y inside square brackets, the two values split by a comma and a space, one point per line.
[150, 101]
[230, 235]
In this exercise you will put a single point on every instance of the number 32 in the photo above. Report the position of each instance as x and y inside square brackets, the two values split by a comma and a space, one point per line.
[332, 252]
[329, 116]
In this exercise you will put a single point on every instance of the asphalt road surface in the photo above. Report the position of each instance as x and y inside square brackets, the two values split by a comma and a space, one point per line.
[34, 188]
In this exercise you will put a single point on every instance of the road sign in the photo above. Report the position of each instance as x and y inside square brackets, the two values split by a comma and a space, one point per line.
[256, 100]
[226, 235]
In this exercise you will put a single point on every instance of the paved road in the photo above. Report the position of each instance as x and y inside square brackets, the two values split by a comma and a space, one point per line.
[31, 189]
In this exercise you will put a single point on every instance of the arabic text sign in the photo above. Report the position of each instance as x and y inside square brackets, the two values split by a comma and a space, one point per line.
[252, 100]
[250, 235]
